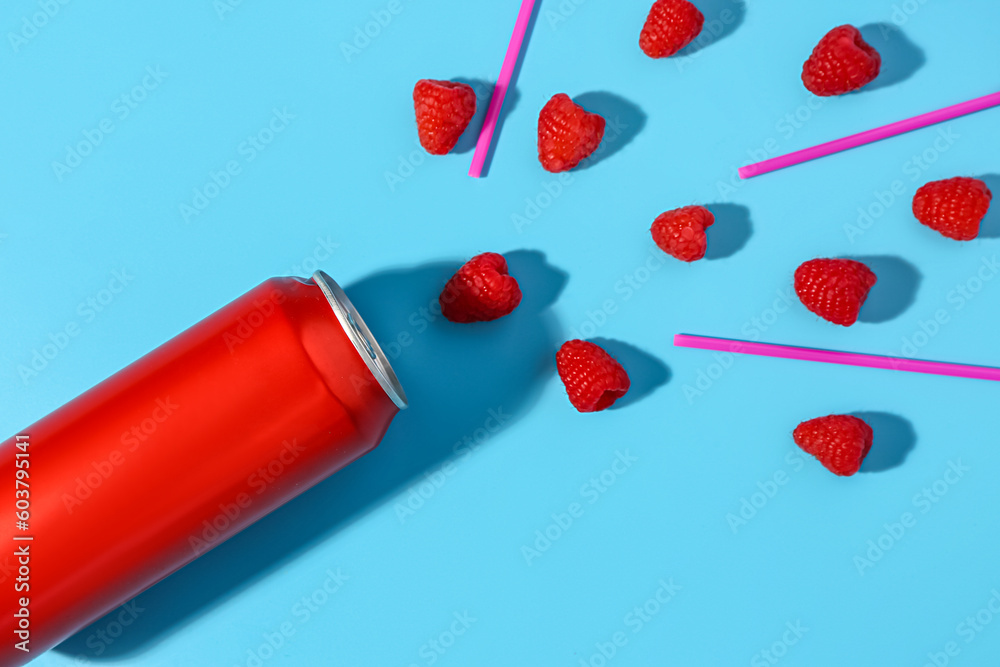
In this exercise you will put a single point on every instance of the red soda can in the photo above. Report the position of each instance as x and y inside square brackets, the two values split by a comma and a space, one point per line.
[181, 450]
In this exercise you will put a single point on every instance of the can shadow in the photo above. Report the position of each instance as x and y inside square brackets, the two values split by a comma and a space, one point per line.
[893, 438]
[460, 381]
[901, 58]
[895, 291]
[990, 227]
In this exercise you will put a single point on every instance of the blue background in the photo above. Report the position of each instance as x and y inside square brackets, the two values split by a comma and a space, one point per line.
[342, 186]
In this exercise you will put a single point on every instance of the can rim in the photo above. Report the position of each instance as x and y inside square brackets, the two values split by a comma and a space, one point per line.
[362, 338]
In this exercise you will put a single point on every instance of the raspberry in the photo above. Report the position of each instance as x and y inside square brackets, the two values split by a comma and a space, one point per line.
[670, 26]
[953, 207]
[834, 289]
[567, 133]
[681, 232]
[444, 110]
[840, 63]
[839, 442]
[480, 291]
[593, 379]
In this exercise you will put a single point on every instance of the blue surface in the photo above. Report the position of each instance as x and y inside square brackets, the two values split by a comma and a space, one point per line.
[700, 434]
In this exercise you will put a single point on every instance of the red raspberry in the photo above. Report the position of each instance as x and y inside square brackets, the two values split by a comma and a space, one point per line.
[567, 133]
[840, 63]
[444, 110]
[480, 291]
[839, 442]
[593, 379]
[681, 232]
[954, 207]
[834, 289]
[670, 26]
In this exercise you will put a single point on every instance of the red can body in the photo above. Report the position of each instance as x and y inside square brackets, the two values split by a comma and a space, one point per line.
[182, 449]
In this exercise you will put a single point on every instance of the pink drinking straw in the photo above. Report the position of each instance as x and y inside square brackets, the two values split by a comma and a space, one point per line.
[870, 136]
[503, 82]
[832, 357]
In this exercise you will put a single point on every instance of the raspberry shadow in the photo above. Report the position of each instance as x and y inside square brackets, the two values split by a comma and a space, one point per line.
[624, 121]
[484, 91]
[990, 227]
[722, 18]
[893, 438]
[645, 372]
[730, 231]
[895, 291]
[901, 58]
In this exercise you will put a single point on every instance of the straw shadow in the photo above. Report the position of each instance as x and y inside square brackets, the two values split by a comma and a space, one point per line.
[893, 439]
[462, 379]
[722, 18]
[624, 122]
[730, 231]
[895, 291]
[498, 132]
[484, 91]
[990, 227]
[645, 371]
[901, 58]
